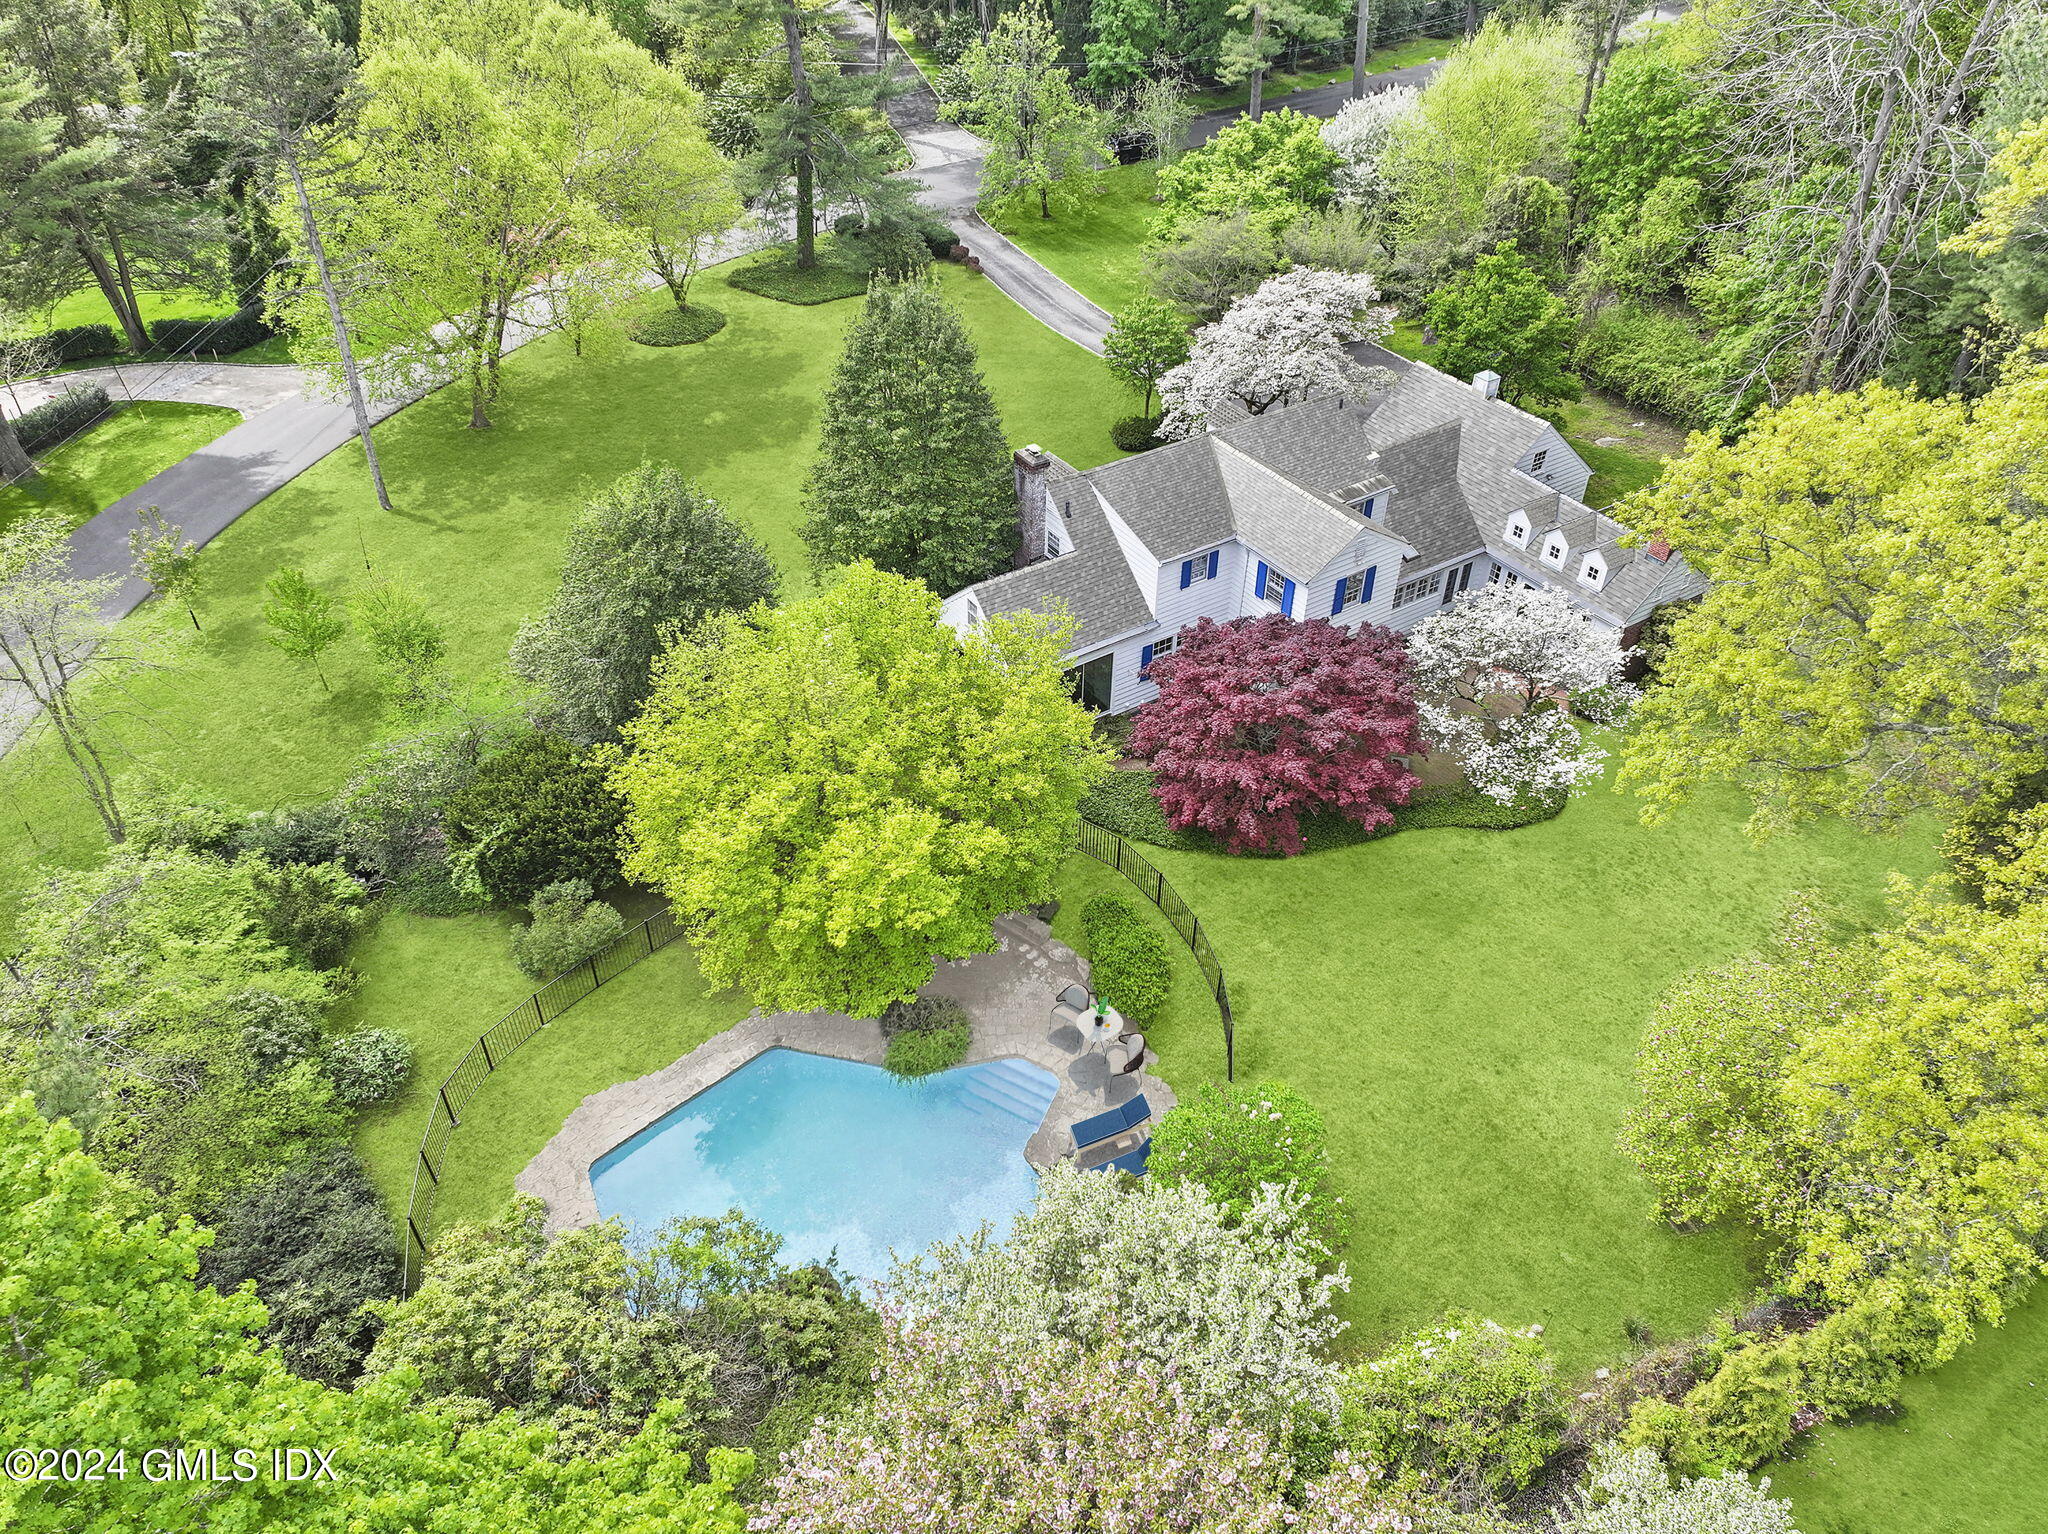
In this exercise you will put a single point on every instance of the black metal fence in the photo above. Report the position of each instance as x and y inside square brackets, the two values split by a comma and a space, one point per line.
[493, 1047]
[1105, 846]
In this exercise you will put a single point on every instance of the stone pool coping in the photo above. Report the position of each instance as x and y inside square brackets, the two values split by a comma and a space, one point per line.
[1008, 993]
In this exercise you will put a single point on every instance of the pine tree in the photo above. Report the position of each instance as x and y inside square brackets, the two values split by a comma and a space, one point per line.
[913, 472]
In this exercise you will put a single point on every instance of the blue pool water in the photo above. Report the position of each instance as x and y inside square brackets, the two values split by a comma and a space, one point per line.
[834, 1154]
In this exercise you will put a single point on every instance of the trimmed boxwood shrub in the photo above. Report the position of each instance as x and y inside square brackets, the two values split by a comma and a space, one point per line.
[77, 343]
[777, 277]
[679, 327]
[533, 814]
[1123, 802]
[1136, 433]
[214, 336]
[1129, 963]
[54, 420]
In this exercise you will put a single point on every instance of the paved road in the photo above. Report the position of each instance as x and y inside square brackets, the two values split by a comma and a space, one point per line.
[947, 161]
[239, 386]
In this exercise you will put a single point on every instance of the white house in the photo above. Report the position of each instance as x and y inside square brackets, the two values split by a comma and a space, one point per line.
[1377, 509]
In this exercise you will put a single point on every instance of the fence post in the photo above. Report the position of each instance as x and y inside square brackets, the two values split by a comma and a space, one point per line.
[432, 1176]
[453, 1120]
[489, 1064]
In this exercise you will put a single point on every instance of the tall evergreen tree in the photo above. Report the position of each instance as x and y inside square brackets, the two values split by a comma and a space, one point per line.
[913, 472]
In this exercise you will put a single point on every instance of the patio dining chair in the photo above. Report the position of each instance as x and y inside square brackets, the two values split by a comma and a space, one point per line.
[1074, 1004]
[1127, 1054]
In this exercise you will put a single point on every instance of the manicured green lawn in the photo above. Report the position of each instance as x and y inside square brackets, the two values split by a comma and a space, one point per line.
[92, 471]
[1465, 1008]
[444, 980]
[1096, 241]
[1414, 50]
[479, 526]
[1968, 1455]
[88, 306]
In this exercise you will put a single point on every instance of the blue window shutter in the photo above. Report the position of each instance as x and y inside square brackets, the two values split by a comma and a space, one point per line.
[1365, 592]
[1187, 574]
[1145, 657]
[1259, 585]
[1337, 601]
[1287, 596]
[1215, 557]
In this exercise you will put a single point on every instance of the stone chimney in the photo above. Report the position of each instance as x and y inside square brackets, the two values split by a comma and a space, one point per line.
[1487, 382]
[1029, 468]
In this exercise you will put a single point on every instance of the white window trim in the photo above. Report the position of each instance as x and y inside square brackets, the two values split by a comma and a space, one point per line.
[1518, 530]
[1422, 586]
[1555, 541]
[1593, 572]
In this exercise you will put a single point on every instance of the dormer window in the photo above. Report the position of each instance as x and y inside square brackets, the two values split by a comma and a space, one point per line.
[1518, 530]
[1554, 550]
[1366, 506]
[1536, 463]
[1594, 571]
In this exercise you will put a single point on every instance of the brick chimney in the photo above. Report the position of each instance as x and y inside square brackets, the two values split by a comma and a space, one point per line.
[1658, 549]
[1487, 382]
[1029, 465]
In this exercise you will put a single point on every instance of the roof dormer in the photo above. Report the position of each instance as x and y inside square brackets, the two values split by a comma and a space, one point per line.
[1593, 572]
[1518, 530]
[1555, 549]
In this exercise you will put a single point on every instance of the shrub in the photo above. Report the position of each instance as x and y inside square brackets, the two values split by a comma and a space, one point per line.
[315, 1240]
[1649, 358]
[939, 238]
[568, 927]
[1128, 961]
[1232, 1139]
[65, 416]
[1991, 832]
[215, 336]
[777, 276]
[368, 1066]
[925, 1051]
[679, 327]
[534, 814]
[1136, 433]
[77, 343]
[1467, 1403]
[312, 911]
[278, 1031]
[311, 834]
[923, 1014]
[1123, 802]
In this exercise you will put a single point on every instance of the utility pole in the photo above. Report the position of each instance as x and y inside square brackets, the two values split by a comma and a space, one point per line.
[358, 403]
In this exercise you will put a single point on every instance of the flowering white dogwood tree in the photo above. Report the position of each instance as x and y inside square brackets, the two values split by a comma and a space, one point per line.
[1360, 133]
[1629, 1493]
[1498, 675]
[1276, 345]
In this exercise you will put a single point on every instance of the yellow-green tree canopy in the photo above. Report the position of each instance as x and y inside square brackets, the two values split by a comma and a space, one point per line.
[1874, 642]
[836, 793]
[112, 1345]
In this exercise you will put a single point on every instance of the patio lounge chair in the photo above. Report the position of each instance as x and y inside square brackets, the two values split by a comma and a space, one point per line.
[1130, 1161]
[1106, 1126]
[1127, 1054]
[1073, 1005]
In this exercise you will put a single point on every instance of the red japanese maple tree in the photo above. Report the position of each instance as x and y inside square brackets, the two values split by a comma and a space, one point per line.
[1260, 721]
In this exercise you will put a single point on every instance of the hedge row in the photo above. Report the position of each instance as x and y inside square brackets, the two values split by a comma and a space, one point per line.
[54, 420]
[1124, 803]
[80, 343]
[214, 337]
[1129, 963]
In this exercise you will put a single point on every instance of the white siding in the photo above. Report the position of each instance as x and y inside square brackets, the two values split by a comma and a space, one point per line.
[1144, 566]
[1221, 599]
[1370, 549]
[1563, 469]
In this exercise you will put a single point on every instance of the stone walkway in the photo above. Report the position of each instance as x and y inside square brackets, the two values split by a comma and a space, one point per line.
[1008, 993]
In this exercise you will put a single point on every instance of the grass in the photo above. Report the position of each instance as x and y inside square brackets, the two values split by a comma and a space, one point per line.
[1967, 1455]
[88, 306]
[124, 451]
[478, 532]
[1095, 243]
[669, 326]
[442, 981]
[779, 277]
[1401, 55]
[1465, 1008]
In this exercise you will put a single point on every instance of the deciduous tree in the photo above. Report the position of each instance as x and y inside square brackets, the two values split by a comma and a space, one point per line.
[1263, 720]
[166, 560]
[1276, 346]
[1271, 171]
[649, 557]
[1019, 97]
[1500, 316]
[1500, 674]
[835, 793]
[1834, 530]
[1268, 28]
[1145, 342]
[304, 621]
[913, 472]
[1213, 263]
[1360, 134]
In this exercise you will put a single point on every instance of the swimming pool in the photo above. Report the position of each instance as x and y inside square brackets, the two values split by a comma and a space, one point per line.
[834, 1154]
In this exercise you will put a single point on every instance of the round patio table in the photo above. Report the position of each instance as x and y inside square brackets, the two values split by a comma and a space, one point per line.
[1099, 1031]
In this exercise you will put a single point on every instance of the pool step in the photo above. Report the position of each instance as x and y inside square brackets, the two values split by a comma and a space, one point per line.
[1011, 1087]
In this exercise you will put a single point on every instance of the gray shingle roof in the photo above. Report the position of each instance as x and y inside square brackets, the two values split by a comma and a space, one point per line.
[1298, 529]
[1091, 582]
